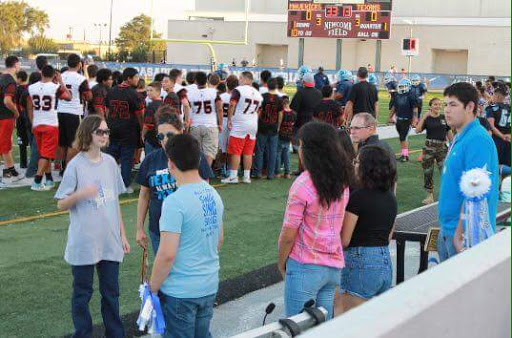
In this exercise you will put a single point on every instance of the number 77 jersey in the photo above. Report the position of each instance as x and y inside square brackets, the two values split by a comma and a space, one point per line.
[43, 96]
[245, 118]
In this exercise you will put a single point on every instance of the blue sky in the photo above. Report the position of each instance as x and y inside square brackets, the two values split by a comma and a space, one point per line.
[82, 15]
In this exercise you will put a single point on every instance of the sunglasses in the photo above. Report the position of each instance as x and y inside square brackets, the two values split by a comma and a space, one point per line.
[162, 136]
[101, 132]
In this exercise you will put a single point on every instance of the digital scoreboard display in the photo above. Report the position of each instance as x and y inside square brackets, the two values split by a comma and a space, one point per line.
[340, 19]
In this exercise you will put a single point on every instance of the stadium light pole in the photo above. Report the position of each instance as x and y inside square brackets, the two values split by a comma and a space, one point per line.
[110, 29]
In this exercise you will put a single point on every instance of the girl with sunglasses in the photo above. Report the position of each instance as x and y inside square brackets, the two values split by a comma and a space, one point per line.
[156, 182]
[89, 189]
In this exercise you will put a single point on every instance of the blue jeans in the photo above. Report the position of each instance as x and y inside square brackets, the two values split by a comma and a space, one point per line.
[283, 156]
[368, 271]
[124, 153]
[108, 275]
[34, 157]
[188, 317]
[155, 240]
[268, 143]
[148, 148]
[445, 247]
[309, 281]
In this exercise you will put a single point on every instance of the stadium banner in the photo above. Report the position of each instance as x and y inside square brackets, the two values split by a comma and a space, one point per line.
[149, 70]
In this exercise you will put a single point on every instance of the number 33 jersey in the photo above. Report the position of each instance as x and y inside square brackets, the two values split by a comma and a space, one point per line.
[43, 96]
[203, 103]
[245, 119]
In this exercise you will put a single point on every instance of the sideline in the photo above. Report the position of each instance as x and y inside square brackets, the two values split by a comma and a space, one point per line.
[59, 213]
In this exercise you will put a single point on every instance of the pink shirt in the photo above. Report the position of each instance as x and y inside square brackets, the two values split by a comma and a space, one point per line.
[318, 239]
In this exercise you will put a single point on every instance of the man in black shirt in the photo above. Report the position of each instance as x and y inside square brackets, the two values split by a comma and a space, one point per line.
[8, 114]
[124, 118]
[363, 97]
[328, 110]
[270, 118]
[100, 91]
[498, 116]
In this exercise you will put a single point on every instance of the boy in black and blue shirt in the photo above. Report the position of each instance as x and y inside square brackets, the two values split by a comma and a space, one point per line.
[405, 106]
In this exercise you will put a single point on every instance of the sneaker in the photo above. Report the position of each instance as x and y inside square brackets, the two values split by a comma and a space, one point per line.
[49, 184]
[38, 187]
[403, 159]
[246, 180]
[230, 180]
[14, 172]
[428, 200]
[129, 190]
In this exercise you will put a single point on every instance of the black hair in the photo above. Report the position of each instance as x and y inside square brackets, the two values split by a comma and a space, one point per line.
[34, 77]
[48, 71]
[265, 76]
[326, 91]
[41, 61]
[141, 84]
[232, 82]
[214, 79]
[362, 72]
[73, 60]
[129, 73]
[64, 69]
[478, 84]
[248, 75]
[191, 77]
[272, 84]
[22, 75]
[256, 86]
[377, 169]
[92, 70]
[184, 151]
[432, 100]
[117, 77]
[221, 88]
[501, 90]
[11, 61]
[280, 82]
[464, 92]
[159, 77]
[174, 74]
[325, 160]
[103, 75]
[166, 114]
[201, 79]
[286, 99]
[346, 144]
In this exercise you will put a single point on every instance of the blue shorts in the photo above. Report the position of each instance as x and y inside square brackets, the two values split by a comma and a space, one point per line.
[368, 271]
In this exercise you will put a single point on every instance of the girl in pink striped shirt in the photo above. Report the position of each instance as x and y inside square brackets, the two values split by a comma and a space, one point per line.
[310, 249]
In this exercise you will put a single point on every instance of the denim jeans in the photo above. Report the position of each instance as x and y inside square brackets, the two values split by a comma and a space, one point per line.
[188, 317]
[125, 153]
[265, 143]
[309, 281]
[445, 247]
[108, 275]
[34, 157]
[283, 156]
[368, 271]
[155, 240]
[148, 148]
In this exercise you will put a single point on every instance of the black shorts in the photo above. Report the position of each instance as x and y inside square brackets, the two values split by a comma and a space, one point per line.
[503, 149]
[402, 127]
[68, 125]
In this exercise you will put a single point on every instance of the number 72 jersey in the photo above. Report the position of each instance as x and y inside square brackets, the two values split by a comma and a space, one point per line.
[245, 119]
[43, 96]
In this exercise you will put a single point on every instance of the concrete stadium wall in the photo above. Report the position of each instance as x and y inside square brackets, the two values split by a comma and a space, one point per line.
[466, 296]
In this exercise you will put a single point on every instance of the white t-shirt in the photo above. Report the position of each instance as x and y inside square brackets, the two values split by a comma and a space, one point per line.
[44, 97]
[76, 84]
[202, 103]
[190, 87]
[245, 119]
[92, 83]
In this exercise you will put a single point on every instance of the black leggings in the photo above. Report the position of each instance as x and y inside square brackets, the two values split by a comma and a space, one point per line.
[402, 127]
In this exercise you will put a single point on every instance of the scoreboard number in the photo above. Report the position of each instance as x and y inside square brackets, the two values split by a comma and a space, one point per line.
[319, 21]
[295, 32]
[373, 17]
[309, 15]
[347, 11]
[358, 22]
[385, 26]
[331, 12]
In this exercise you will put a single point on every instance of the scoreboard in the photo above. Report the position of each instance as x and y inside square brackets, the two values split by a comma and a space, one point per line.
[340, 19]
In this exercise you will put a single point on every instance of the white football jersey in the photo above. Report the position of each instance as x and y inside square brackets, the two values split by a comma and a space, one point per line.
[245, 119]
[76, 84]
[225, 98]
[202, 103]
[44, 97]
[190, 87]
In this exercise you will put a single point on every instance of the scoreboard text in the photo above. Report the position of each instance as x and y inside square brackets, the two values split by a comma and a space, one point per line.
[362, 19]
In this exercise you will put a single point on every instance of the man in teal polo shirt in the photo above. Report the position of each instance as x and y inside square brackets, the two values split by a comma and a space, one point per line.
[472, 148]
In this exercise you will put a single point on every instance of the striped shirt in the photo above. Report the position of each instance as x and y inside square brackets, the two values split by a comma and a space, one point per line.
[318, 240]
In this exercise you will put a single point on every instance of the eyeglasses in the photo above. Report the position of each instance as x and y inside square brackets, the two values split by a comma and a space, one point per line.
[101, 132]
[357, 128]
[162, 136]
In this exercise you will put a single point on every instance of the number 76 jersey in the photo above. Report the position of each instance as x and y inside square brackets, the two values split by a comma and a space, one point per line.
[43, 96]
[245, 119]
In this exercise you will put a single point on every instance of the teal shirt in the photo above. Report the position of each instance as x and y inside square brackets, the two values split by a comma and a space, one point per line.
[195, 212]
[472, 148]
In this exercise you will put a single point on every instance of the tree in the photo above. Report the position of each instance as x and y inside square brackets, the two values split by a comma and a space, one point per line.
[42, 44]
[19, 18]
[135, 37]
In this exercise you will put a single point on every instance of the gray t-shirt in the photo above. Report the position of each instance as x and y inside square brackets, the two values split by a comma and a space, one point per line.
[94, 231]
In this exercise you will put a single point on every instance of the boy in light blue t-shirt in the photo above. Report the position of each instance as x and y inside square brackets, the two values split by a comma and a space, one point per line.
[186, 268]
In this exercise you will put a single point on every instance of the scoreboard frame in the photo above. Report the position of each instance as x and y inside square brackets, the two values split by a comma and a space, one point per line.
[350, 19]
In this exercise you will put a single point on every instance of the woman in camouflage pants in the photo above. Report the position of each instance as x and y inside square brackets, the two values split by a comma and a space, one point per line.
[435, 148]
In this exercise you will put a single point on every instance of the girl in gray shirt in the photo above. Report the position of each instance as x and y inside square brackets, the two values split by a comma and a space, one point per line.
[89, 189]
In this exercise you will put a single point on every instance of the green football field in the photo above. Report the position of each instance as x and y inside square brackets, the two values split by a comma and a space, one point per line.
[36, 282]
